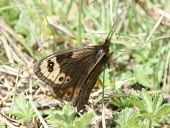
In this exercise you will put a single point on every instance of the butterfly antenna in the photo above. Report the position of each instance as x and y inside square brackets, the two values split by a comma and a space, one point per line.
[113, 29]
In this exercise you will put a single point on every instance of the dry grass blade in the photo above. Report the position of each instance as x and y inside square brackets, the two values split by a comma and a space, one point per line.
[37, 112]
[6, 32]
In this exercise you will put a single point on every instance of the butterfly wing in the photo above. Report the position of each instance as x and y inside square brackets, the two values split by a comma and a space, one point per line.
[90, 81]
[67, 71]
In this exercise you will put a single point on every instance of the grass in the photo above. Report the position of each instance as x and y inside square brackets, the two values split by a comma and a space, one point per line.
[26, 36]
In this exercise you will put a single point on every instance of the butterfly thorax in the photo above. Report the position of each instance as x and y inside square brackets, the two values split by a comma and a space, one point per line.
[105, 46]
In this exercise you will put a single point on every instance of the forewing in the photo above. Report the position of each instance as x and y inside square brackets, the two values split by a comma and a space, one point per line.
[66, 71]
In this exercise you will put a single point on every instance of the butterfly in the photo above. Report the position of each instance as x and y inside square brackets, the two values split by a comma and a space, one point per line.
[73, 73]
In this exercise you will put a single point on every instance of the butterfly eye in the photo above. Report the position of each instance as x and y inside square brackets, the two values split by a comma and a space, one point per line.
[99, 53]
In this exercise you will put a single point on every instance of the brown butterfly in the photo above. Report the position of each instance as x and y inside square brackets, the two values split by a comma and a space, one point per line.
[73, 73]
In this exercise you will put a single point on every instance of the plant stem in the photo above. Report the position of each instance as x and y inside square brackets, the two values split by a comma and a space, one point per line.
[79, 23]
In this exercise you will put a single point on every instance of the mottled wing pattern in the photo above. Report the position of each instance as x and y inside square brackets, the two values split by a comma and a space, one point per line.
[67, 72]
[90, 81]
